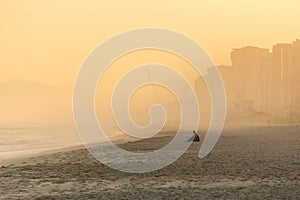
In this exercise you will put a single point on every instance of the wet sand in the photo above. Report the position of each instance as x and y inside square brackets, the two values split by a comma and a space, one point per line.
[247, 163]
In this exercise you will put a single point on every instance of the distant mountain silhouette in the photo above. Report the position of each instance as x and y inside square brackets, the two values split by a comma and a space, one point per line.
[19, 85]
[20, 82]
[23, 101]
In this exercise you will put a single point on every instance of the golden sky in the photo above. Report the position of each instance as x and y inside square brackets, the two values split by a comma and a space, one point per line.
[47, 40]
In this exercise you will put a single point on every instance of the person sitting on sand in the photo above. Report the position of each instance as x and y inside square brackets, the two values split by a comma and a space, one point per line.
[195, 137]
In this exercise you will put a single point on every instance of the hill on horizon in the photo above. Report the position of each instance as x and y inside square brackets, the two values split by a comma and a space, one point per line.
[24, 101]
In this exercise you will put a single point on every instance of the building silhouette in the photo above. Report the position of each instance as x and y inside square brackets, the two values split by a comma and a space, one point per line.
[263, 82]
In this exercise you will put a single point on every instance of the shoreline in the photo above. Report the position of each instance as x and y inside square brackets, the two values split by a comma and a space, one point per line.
[129, 140]
[48, 152]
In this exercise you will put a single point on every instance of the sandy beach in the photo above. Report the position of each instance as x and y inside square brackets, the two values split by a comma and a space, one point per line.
[247, 163]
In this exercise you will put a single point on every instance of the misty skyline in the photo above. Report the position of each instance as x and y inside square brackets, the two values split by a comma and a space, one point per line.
[259, 73]
[264, 81]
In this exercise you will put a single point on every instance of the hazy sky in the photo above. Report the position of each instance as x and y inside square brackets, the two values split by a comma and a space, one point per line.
[47, 40]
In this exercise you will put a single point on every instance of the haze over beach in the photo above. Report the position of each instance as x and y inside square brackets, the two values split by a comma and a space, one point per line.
[254, 45]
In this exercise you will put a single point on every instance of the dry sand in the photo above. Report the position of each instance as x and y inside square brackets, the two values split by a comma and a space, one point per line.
[247, 163]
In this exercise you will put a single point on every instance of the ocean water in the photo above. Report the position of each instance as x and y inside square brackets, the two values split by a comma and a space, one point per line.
[22, 142]
[29, 141]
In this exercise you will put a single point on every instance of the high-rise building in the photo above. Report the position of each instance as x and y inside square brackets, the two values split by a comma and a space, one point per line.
[281, 72]
[251, 66]
[260, 81]
[296, 75]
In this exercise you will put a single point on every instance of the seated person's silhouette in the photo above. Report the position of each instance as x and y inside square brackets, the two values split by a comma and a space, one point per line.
[195, 137]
